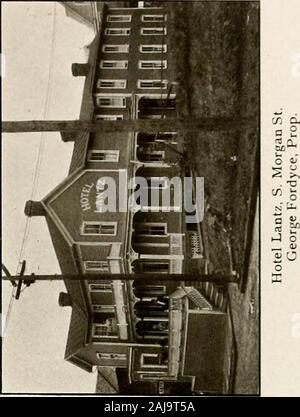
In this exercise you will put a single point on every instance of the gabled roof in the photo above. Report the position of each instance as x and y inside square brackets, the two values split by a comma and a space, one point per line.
[66, 255]
[107, 381]
[77, 332]
[63, 249]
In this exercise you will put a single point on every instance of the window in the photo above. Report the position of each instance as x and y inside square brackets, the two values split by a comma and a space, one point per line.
[103, 156]
[100, 287]
[119, 18]
[144, 139]
[147, 291]
[151, 229]
[151, 49]
[153, 360]
[118, 356]
[153, 84]
[167, 137]
[153, 18]
[113, 64]
[108, 117]
[152, 376]
[153, 31]
[99, 266]
[162, 64]
[111, 84]
[154, 267]
[99, 228]
[100, 330]
[107, 329]
[111, 101]
[157, 183]
[145, 4]
[149, 116]
[103, 309]
[117, 31]
[151, 156]
[116, 48]
[153, 289]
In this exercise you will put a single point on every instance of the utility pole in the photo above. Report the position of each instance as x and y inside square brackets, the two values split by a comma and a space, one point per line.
[18, 280]
[138, 277]
[149, 125]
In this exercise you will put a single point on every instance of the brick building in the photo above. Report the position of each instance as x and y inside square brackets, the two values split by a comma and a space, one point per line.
[154, 332]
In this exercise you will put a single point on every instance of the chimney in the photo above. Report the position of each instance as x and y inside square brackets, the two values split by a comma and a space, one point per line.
[34, 208]
[80, 70]
[68, 136]
[64, 300]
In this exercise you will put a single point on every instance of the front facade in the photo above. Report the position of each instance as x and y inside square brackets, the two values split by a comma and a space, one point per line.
[152, 329]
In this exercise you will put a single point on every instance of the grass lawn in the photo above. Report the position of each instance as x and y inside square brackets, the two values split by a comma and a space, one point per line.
[245, 312]
[217, 68]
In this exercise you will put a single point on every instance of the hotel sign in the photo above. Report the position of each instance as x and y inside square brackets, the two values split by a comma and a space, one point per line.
[99, 198]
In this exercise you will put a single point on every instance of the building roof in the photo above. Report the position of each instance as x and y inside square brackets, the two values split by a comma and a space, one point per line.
[79, 152]
[78, 160]
[85, 12]
[77, 332]
[80, 12]
[66, 252]
[205, 356]
[63, 249]
[66, 255]
[87, 108]
[87, 104]
[107, 381]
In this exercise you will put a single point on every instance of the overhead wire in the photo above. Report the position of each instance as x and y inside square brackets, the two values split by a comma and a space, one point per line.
[37, 170]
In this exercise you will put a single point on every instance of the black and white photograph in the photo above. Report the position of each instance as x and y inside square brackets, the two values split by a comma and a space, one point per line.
[131, 198]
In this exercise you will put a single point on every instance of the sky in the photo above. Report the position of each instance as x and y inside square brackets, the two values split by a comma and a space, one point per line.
[36, 37]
